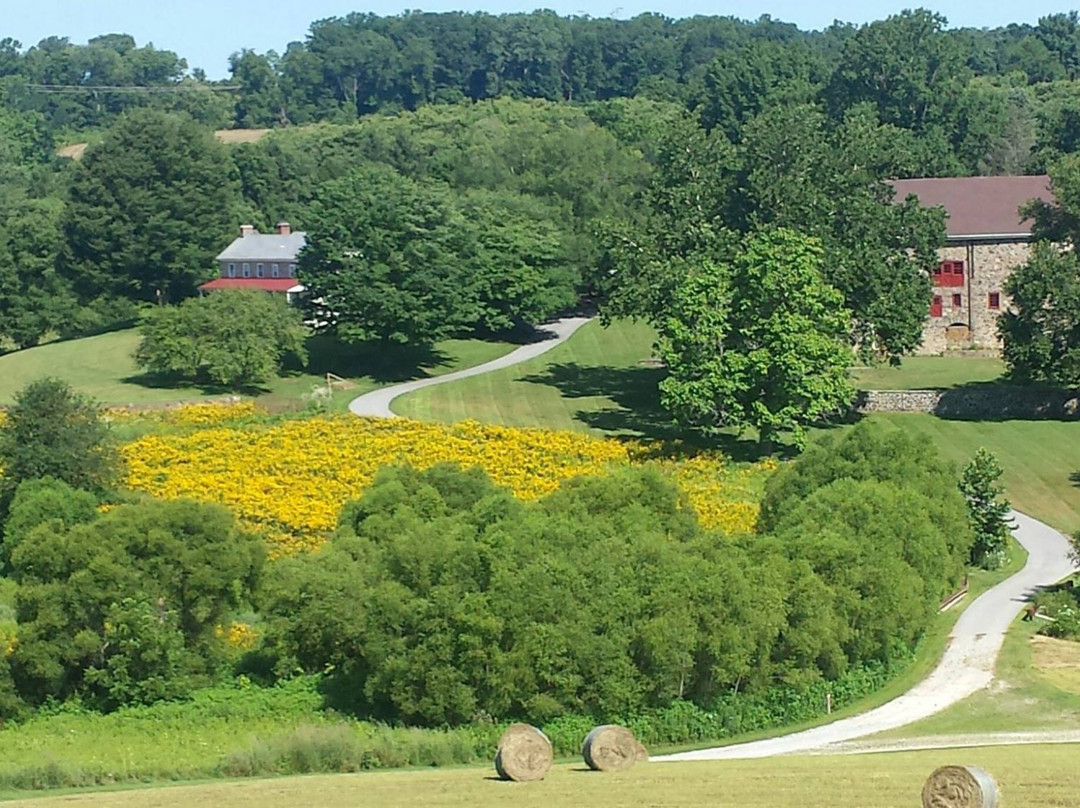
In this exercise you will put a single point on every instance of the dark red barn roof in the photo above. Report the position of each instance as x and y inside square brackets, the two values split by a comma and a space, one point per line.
[980, 207]
[266, 284]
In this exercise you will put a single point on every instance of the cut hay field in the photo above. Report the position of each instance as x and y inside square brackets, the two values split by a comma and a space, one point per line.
[102, 366]
[1028, 776]
[76, 150]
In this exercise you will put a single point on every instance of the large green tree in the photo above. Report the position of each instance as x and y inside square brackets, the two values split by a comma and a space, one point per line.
[760, 342]
[830, 182]
[150, 207]
[403, 260]
[383, 259]
[231, 337]
[34, 299]
[1041, 328]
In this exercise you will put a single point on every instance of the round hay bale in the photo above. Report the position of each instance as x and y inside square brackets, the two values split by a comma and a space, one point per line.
[642, 754]
[524, 754]
[960, 787]
[611, 748]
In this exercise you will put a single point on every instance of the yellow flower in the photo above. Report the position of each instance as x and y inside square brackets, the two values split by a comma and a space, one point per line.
[289, 479]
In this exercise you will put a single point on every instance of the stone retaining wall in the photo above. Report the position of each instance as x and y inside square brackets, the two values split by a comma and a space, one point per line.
[985, 402]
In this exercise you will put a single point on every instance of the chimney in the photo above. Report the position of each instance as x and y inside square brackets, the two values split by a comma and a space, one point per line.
[284, 228]
[246, 230]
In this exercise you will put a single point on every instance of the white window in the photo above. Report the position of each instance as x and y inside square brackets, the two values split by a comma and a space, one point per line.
[258, 270]
[232, 270]
[247, 270]
[273, 270]
[292, 270]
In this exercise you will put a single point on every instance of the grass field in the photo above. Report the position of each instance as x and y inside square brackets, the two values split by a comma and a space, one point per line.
[929, 373]
[1039, 459]
[1030, 776]
[102, 366]
[600, 380]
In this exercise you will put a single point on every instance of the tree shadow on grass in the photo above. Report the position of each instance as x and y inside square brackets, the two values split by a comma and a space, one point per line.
[1074, 478]
[637, 412]
[382, 362]
[1004, 400]
[159, 381]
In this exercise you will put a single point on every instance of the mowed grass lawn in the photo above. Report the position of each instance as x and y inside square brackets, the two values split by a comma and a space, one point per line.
[600, 380]
[1038, 457]
[1027, 777]
[929, 373]
[103, 366]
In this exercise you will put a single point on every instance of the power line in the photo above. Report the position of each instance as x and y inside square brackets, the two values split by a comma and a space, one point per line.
[69, 89]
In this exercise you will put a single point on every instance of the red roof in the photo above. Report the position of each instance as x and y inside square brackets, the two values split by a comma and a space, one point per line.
[266, 284]
[980, 207]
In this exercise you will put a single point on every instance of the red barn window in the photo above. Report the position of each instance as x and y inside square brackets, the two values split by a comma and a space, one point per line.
[949, 273]
[994, 300]
[935, 306]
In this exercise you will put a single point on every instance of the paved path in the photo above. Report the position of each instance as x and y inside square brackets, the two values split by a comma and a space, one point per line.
[377, 403]
[966, 667]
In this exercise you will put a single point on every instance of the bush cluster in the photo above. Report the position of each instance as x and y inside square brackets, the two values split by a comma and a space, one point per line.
[443, 600]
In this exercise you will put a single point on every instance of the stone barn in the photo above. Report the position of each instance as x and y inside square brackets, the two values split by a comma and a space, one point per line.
[987, 238]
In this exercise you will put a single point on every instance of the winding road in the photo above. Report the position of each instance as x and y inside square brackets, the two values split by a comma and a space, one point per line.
[376, 404]
[966, 667]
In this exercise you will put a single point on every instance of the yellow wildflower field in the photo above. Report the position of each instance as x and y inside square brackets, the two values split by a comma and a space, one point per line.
[289, 479]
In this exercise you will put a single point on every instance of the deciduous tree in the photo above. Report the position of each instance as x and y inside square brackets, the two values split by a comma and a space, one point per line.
[150, 207]
[231, 338]
[52, 431]
[760, 343]
[988, 510]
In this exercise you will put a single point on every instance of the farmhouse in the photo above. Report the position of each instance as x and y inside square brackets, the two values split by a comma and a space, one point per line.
[987, 238]
[264, 261]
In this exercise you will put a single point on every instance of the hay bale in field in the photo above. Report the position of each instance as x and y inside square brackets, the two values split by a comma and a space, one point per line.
[611, 748]
[960, 787]
[641, 753]
[524, 754]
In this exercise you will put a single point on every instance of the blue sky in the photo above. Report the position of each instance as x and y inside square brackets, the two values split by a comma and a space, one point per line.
[207, 31]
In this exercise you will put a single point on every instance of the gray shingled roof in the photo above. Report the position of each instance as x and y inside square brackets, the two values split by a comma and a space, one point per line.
[264, 247]
[980, 207]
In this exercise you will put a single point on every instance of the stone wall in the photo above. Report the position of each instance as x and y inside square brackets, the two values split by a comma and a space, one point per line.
[983, 402]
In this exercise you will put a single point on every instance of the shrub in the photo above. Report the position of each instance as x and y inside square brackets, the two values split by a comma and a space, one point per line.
[124, 608]
[231, 338]
[51, 431]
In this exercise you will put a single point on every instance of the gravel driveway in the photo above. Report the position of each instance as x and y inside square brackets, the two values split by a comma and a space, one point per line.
[966, 667]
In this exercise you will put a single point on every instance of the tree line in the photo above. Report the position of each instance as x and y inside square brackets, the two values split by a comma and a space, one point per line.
[721, 67]
[478, 217]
